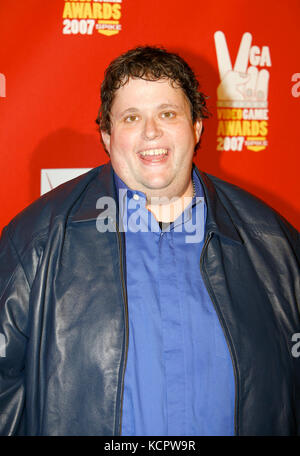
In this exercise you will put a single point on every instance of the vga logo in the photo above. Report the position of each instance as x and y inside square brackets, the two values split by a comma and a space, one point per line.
[2, 86]
[240, 85]
[242, 104]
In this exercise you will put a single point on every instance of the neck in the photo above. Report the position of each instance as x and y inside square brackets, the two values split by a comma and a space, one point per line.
[167, 210]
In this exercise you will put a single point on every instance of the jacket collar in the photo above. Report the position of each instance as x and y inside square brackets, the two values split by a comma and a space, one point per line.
[101, 186]
[218, 219]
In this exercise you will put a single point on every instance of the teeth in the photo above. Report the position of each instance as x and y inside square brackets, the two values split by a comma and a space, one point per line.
[154, 152]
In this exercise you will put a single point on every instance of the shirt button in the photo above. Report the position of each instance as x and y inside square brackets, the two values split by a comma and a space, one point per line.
[136, 197]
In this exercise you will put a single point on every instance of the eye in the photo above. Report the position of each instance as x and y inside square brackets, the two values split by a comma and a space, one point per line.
[131, 118]
[168, 115]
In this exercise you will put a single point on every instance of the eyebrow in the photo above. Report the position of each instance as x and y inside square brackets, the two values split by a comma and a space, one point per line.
[169, 105]
[161, 106]
[128, 111]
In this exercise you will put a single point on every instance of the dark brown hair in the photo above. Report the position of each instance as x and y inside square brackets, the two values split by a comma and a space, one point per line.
[149, 63]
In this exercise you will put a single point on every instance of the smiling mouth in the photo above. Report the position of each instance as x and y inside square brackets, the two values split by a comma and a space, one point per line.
[154, 155]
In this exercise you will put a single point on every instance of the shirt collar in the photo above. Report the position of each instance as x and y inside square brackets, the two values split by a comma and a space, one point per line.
[123, 191]
[100, 183]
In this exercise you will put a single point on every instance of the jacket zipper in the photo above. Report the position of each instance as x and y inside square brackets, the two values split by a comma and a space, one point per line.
[220, 317]
[126, 325]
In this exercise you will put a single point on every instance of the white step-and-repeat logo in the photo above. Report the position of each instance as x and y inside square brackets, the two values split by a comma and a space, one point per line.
[2, 86]
[51, 178]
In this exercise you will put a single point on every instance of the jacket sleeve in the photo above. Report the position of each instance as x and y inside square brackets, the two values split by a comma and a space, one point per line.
[14, 302]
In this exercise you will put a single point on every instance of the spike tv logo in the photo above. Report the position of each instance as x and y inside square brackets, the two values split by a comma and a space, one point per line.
[86, 17]
[242, 93]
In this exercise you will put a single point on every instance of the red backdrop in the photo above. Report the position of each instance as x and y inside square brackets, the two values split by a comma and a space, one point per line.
[53, 55]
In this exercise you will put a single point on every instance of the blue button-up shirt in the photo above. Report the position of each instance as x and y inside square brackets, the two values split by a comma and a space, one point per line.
[179, 377]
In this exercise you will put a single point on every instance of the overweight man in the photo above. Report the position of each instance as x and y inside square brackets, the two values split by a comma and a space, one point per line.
[147, 297]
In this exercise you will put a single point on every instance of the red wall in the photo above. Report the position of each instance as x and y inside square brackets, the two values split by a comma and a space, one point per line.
[49, 88]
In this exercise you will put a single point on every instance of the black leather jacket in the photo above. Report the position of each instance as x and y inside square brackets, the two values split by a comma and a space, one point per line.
[63, 311]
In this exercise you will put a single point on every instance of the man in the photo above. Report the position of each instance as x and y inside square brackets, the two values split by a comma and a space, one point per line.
[146, 297]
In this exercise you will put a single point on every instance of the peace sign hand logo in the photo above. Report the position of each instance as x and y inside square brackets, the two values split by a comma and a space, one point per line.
[240, 86]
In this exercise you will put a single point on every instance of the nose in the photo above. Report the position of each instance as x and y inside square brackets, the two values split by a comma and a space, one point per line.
[151, 129]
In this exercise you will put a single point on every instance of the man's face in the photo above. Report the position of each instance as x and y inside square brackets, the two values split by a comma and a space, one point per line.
[152, 138]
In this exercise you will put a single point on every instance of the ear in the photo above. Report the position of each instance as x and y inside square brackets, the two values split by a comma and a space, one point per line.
[197, 129]
[106, 141]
